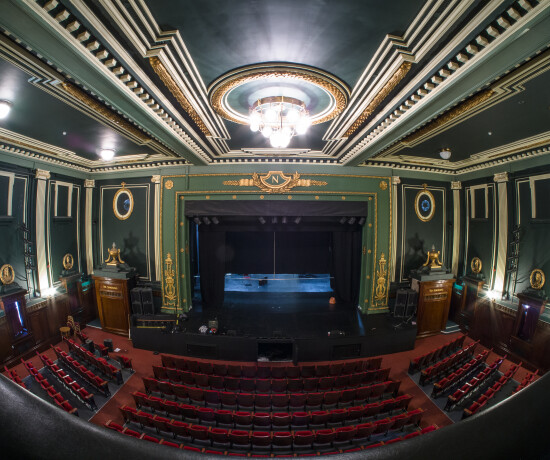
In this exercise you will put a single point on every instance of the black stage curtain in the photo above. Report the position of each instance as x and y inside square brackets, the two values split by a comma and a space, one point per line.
[212, 268]
[346, 266]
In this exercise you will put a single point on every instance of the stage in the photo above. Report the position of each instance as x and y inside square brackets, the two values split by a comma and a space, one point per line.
[275, 326]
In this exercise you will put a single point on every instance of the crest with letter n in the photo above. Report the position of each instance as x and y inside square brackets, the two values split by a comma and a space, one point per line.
[275, 182]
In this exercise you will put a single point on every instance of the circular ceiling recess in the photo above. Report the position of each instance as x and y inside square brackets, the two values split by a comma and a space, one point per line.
[235, 92]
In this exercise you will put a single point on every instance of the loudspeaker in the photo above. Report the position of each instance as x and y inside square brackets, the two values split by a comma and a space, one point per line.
[401, 296]
[135, 298]
[147, 301]
[412, 303]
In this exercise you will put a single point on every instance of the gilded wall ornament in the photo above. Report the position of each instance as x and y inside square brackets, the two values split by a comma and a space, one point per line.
[383, 185]
[7, 274]
[424, 204]
[476, 265]
[275, 182]
[381, 274]
[169, 277]
[537, 279]
[432, 260]
[68, 261]
[123, 203]
[168, 185]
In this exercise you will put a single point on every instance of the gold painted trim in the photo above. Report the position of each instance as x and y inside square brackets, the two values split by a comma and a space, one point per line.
[169, 275]
[383, 185]
[424, 191]
[448, 117]
[382, 94]
[169, 82]
[7, 274]
[105, 112]
[537, 279]
[336, 88]
[168, 185]
[68, 261]
[287, 184]
[120, 191]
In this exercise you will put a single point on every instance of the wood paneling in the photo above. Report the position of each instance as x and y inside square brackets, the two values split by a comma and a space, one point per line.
[434, 299]
[113, 303]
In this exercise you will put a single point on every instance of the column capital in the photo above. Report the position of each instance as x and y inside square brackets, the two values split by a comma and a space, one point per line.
[89, 183]
[42, 174]
[456, 185]
[501, 177]
[155, 179]
[395, 180]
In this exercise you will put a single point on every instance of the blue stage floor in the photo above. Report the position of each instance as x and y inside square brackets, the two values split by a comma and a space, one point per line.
[277, 283]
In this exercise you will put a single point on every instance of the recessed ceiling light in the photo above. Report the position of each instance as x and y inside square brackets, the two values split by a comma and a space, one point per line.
[64, 133]
[107, 154]
[5, 107]
[490, 133]
[445, 153]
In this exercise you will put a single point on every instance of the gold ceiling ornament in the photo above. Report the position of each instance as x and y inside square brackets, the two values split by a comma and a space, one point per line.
[537, 279]
[294, 72]
[105, 112]
[169, 82]
[275, 182]
[68, 261]
[382, 94]
[114, 256]
[383, 185]
[381, 273]
[168, 184]
[125, 194]
[476, 265]
[429, 205]
[432, 261]
[446, 118]
[169, 277]
[7, 274]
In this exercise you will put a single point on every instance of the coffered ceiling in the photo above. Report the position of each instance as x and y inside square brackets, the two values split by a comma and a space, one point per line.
[150, 80]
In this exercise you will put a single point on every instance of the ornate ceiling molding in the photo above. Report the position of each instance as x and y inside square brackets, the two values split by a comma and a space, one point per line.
[296, 72]
[169, 82]
[379, 98]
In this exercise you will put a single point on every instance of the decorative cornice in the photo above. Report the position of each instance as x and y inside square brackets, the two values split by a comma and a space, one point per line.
[501, 177]
[383, 93]
[105, 112]
[89, 183]
[336, 88]
[448, 117]
[167, 79]
[456, 185]
[155, 179]
[42, 174]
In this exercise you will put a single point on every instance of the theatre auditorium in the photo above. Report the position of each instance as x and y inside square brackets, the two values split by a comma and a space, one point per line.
[274, 229]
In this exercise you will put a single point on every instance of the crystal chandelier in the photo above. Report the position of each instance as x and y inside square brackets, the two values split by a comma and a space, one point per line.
[279, 118]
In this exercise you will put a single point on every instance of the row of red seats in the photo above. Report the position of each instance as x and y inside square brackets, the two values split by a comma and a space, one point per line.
[490, 393]
[112, 372]
[280, 385]
[241, 418]
[56, 397]
[283, 444]
[266, 371]
[468, 390]
[442, 367]
[201, 396]
[527, 380]
[455, 378]
[302, 440]
[435, 355]
[97, 382]
[67, 381]
[12, 375]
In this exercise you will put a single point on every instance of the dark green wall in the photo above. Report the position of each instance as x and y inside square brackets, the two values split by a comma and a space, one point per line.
[134, 236]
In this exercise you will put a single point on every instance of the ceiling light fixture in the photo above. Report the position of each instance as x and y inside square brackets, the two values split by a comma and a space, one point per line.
[445, 153]
[107, 154]
[5, 107]
[279, 118]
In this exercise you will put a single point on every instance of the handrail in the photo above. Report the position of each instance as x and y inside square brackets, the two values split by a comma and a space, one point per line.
[515, 428]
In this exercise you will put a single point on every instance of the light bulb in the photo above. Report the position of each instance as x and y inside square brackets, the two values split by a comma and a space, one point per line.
[5, 107]
[107, 154]
[285, 140]
[270, 115]
[254, 128]
[292, 116]
[266, 131]
[275, 140]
